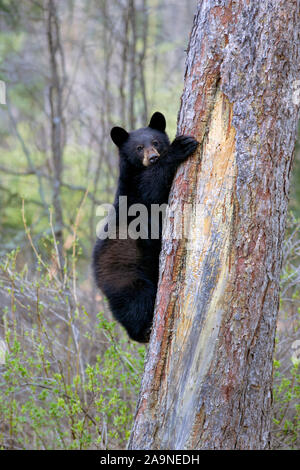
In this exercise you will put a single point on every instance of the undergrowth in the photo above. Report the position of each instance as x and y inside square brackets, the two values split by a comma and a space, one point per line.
[69, 378]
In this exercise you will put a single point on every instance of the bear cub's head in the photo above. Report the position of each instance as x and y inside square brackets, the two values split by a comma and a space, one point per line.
[143, 147]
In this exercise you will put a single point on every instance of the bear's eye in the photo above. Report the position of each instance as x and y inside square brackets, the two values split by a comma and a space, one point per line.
[155, 143]
[139, 148]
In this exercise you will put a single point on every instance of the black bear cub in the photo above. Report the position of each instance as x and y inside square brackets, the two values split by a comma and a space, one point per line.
[126, 268]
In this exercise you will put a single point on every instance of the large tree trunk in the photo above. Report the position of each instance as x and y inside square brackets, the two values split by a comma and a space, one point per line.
[208, 375]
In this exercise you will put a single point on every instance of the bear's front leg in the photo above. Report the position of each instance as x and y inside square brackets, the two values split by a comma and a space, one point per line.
[182, 147]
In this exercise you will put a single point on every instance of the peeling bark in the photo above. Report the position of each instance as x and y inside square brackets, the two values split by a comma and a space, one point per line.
[208, 374]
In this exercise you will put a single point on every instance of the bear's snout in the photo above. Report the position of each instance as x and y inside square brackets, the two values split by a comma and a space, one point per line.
[151, 156]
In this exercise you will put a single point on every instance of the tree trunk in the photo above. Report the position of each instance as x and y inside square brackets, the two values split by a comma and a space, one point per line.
[132, 63]
[57, 83]
[208, 375]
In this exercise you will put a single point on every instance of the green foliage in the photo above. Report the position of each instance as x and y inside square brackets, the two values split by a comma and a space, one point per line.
[69, 380]
[286, 389]
[14, 188]
[286, 394]
[10, 9]
[11, 43]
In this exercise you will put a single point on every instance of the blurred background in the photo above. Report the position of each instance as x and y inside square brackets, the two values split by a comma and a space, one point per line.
[73, 70]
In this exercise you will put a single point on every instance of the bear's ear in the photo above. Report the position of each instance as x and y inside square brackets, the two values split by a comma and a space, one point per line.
[158, 122]
[118, 135]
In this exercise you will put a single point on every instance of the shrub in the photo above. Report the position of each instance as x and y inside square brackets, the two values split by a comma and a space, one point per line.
[286, 390]
[68, 378]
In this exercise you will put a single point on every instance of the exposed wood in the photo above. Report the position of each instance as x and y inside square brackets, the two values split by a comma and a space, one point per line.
[208, 375]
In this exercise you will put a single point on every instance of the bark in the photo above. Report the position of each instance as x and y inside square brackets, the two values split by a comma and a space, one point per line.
[207, 382]
[57, 83]
[132, 63]
[124, 57]
[142, 61]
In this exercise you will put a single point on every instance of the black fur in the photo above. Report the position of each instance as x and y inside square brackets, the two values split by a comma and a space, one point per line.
[127, 270]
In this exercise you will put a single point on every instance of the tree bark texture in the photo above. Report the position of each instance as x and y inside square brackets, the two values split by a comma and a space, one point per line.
[207, 382]
[57, 82]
